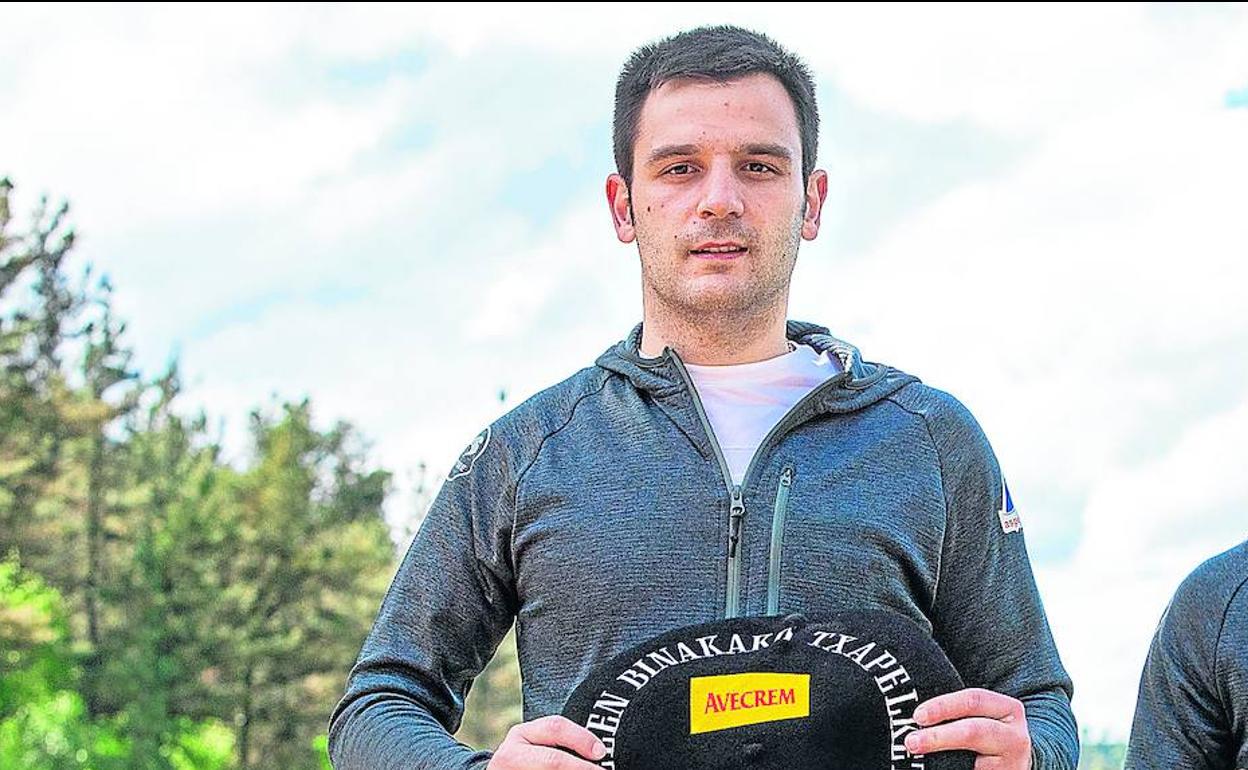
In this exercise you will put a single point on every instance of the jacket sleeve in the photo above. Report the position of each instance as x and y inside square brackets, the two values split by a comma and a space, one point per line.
[448, 607]
[988, 615]
[1180, 721]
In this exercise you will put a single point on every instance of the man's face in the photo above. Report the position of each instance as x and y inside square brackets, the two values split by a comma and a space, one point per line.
[715, 165]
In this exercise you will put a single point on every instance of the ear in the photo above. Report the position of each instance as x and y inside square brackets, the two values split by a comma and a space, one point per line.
[621, 208]
[816, 194]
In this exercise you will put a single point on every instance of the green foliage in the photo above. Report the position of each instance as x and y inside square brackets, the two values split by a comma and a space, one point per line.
[43, 723]
[33, 632]
[1101, 756]
[33, 395]
[311, 558]
[171, 611]
[54, 732]
[207, 745]
[320, 744]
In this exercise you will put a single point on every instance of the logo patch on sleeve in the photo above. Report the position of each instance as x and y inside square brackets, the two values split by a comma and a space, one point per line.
[734, 700]
[1010, 520]
[468, 458]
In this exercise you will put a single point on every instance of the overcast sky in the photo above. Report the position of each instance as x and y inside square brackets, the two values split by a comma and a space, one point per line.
[399, 211]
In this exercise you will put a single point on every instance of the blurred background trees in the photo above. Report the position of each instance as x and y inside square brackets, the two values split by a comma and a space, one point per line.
[160, 608]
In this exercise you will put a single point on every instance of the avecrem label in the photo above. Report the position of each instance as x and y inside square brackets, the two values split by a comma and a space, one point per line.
[733, 700]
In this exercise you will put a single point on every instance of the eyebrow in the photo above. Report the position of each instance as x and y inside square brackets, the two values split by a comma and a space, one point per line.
[674, 150]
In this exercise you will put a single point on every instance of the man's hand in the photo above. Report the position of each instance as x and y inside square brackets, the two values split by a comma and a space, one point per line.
[531, 745]
[988, 723]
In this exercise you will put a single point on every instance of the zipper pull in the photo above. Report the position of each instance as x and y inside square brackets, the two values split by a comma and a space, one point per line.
[736, 514]
[786, 477]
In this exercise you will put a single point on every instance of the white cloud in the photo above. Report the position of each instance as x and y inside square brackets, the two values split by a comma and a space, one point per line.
[160, 114]
[1024, 68]
[1083, 283]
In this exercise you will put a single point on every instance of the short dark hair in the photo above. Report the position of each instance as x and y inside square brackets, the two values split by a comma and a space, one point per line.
[719, 53]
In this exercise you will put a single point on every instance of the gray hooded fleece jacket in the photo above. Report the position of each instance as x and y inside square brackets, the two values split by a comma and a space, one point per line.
[600, 513]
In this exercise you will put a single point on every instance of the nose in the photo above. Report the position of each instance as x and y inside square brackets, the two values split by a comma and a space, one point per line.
[721, 193]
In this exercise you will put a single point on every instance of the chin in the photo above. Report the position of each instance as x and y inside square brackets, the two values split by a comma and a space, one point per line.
[711, 302]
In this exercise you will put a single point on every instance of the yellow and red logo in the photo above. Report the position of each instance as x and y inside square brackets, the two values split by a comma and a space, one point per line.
[733, 700]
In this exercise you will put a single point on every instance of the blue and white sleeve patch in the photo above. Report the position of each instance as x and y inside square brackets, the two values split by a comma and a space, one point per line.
[1010, 520]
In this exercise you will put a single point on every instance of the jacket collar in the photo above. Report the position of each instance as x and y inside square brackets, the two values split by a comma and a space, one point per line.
[652, 373]
[860, 384]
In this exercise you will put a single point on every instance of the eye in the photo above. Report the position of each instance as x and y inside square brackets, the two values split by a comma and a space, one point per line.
[760, 167]
[678, 166]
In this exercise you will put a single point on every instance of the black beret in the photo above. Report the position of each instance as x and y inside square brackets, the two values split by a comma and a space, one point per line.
[835, 693]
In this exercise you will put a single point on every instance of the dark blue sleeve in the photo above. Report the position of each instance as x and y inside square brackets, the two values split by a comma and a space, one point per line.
[1183, 719]
[988, 614]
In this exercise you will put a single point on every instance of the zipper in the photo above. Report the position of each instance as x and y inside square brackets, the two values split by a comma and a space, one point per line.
[777, 538]
[736, 515]
[736, 503]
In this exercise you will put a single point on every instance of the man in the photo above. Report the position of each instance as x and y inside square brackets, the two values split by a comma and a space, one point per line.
[720, 461]
[1192, 711]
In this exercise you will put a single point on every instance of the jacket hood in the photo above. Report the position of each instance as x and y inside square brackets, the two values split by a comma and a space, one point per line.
[861, 383]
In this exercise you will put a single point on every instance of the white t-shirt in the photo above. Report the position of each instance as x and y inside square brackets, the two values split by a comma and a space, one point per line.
[745, 401]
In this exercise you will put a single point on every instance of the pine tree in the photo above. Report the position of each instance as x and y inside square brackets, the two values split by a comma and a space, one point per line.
[309, 562]
[31, 429]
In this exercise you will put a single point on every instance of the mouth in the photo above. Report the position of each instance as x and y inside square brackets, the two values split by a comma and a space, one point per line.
[719, 250]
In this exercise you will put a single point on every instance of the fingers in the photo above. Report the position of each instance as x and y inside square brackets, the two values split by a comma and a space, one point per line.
[992, 725]
[558, 730]
[971, 702]
[538, 758]
[986, 737]
[536, 744]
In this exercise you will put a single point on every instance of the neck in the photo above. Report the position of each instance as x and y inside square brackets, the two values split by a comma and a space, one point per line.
[714, 339]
